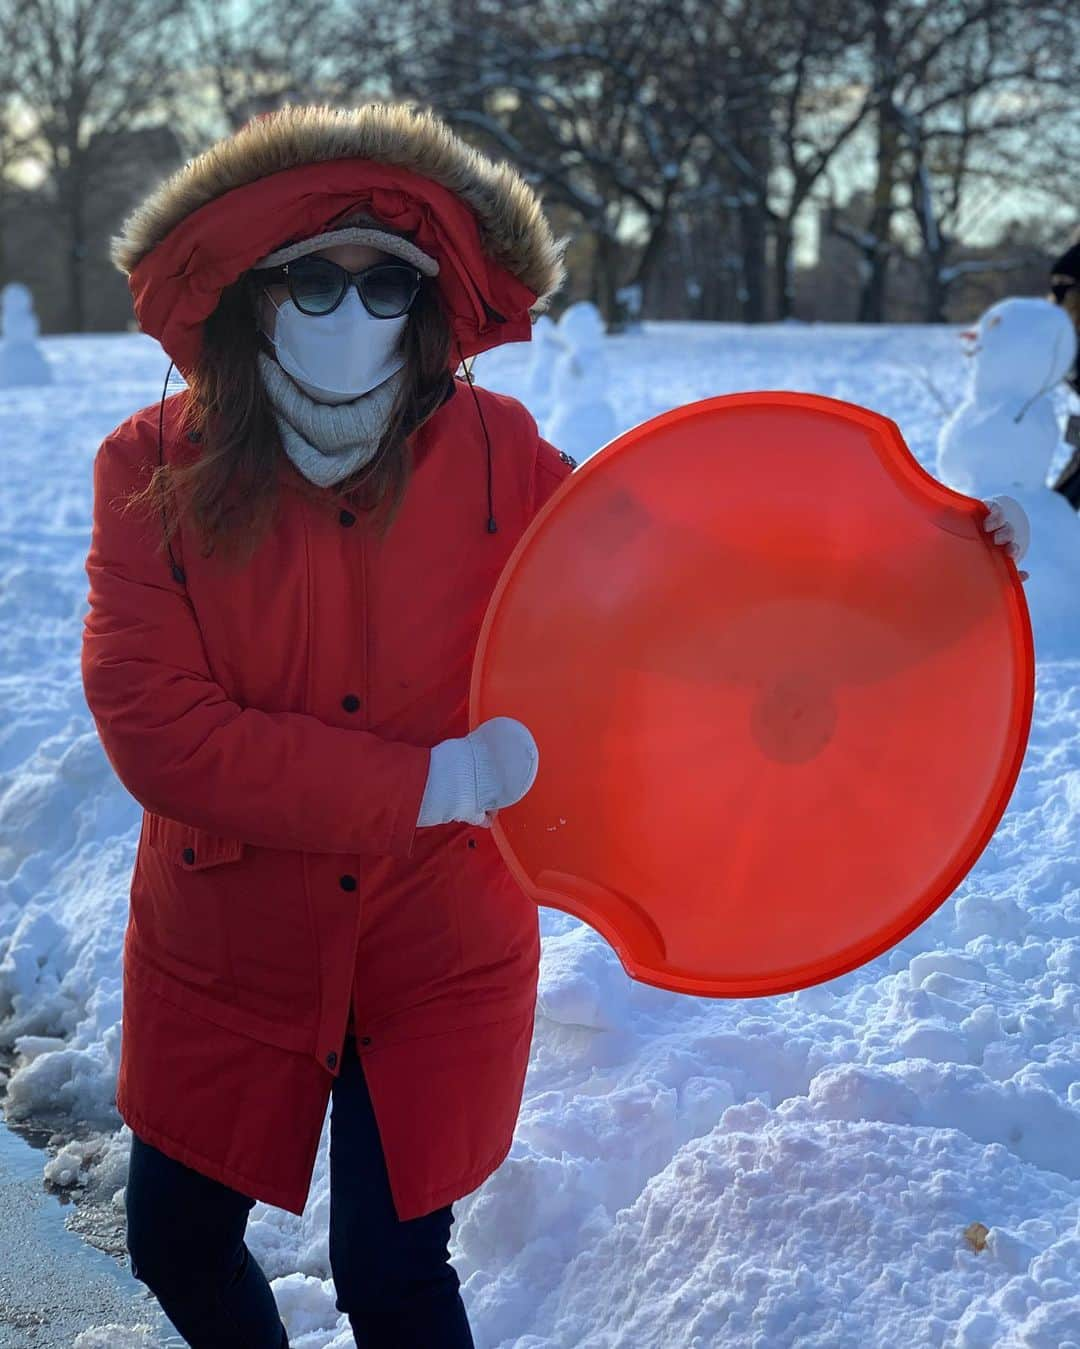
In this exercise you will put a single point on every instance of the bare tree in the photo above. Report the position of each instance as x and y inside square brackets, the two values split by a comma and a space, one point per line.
[12, 149]
[87, 71]
[633, 114]
[589, 100]
[684, 139]
[741, 56]
[1002, 83]
[950, 84]
[244, 57]
[820, 103]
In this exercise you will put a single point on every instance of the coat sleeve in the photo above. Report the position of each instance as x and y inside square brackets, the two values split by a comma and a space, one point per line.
[176, 740]
[552, 467]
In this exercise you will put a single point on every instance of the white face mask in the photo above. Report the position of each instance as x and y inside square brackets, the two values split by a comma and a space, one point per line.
[337, 356]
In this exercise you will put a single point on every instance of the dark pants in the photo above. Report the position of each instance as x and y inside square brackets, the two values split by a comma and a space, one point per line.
[185, 1236]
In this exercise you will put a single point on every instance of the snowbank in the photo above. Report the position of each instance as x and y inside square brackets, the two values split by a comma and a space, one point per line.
[798, 1170]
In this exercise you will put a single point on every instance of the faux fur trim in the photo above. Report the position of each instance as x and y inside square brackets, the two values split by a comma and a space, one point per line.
[514, 231]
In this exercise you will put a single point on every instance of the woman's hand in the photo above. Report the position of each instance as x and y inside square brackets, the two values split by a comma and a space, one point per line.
[1009, 524]
[470, 777]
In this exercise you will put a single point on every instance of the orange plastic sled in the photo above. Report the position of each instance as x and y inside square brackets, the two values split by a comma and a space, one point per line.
[781, 681]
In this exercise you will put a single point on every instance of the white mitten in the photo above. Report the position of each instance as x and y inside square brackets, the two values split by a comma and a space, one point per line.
[1009, 524]
[472, 775]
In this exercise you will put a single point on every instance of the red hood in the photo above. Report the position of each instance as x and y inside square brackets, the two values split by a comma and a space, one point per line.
[176, 285]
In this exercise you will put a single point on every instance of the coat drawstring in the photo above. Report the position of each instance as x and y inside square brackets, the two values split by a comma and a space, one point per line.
[492, 527]
[178, 571]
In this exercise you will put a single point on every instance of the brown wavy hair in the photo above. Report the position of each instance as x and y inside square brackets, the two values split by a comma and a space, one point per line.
[230, 491]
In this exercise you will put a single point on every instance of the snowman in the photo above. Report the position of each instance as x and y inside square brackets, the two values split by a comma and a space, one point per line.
[21, 359]
[582, 419]
[1002, 439]
[545, 348]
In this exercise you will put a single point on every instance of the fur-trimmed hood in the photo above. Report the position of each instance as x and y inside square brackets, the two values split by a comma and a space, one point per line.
[289, 174]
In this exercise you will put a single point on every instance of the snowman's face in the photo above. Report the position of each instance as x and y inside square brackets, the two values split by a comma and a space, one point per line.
[971, 336]
[1024, 346]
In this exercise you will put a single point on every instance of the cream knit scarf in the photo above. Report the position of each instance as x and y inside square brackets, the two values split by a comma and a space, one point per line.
[327, 441]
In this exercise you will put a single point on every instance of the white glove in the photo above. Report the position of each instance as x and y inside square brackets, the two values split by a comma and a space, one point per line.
[472, 775]
[1010, 526]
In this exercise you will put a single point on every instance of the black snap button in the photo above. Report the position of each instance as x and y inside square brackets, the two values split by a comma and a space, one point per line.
[472, 843]
[347, 518]
[331, 1060]
[350, 702]
[194, 436]
[189, 855]
[347, 882]
[365, 1039]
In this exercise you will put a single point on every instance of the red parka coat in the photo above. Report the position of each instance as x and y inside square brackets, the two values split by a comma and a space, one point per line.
[275, 721]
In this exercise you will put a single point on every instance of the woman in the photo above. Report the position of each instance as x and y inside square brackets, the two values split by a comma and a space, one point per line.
[289, 566]
[1065, 291]
[317, 909]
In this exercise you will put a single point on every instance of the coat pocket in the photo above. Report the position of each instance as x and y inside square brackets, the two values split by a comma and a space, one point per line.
[499, 923]
[221, 927]
[179, 902]
[191, 848]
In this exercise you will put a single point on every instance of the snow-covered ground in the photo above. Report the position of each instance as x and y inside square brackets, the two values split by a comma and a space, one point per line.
[687, 1172]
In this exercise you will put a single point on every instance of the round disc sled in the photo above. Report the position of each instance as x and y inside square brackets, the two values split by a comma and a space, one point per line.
[781, 681]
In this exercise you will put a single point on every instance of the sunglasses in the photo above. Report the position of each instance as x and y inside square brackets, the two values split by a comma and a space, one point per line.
[317, 286]
[1060, 288]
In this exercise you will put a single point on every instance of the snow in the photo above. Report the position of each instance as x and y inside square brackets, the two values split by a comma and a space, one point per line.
[794, 1170]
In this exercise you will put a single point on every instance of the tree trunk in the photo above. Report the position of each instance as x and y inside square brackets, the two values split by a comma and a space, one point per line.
[874, 292]
[604, 281]
[76, 299]
[937, 292]
[650, 255]
[3, 234]
[873, 295]
[73, 198]
[752, 235]
[782, 270]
